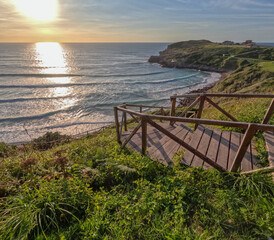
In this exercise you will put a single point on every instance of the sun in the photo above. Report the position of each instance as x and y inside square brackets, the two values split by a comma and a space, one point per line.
[40, 10]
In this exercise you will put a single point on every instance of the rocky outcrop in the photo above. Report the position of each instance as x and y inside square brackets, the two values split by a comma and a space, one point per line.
[171, 63]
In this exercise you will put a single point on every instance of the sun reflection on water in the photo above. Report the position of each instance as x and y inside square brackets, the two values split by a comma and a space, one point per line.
[52, 59]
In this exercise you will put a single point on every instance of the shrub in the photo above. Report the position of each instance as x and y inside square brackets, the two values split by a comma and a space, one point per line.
[50, 140]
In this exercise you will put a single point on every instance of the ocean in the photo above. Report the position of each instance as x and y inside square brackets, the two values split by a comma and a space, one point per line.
[72, 87]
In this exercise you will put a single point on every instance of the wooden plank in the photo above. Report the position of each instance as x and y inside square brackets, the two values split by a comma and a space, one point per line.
[165, 140]
[254, 155]
[187, 139]
[213, 149]
[153, 136]
[269, 112]
[269, 140]
[203, 147]
[223, 153]
[169, 148]
[186, 146]
[188, 156]
[235, 142]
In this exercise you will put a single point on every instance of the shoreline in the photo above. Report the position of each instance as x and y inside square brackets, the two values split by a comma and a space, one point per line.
[185, 102]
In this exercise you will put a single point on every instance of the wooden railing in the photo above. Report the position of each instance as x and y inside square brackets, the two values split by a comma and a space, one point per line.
[143, 119]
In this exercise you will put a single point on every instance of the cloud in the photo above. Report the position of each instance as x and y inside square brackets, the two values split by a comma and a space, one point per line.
[240, 4]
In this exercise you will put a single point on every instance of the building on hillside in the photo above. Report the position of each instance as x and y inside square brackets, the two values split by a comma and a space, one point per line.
[228, 43]
[249, 43]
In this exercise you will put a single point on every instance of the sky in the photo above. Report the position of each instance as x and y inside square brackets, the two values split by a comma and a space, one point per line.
[139, 21]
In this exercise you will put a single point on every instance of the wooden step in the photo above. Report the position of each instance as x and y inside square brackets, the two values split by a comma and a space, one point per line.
[166, 148]
[221, 147]
[153, 136]
[269, 140]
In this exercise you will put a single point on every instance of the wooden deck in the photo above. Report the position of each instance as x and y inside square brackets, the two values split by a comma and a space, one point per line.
[220, 146]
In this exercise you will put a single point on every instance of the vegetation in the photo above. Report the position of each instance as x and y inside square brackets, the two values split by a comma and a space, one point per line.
[59, 188]
[206, 55]
[90, 189]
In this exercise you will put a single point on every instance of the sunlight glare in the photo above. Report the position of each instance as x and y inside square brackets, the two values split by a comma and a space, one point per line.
[40, 10]
[51, 58]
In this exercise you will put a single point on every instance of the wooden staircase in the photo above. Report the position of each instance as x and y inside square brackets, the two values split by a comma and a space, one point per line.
[162, 136]
[219, 145]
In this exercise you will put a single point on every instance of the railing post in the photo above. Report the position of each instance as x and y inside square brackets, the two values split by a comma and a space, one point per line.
[162, 112]
[144, 135]
[201, 107]
[173, 106]
[269, 112]
[117, 125]
[125, 118]
[251, 130]
[141, 109]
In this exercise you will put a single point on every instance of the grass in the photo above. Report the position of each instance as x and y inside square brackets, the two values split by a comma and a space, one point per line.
[102, 192]
[267, 66]
[203, 54]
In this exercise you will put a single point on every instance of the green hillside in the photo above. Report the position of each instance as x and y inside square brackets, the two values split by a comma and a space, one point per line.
[205, 55]
[90, 188]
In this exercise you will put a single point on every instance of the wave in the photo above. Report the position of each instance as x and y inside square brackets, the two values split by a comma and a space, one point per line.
[45, 75]
[204, 81]
[31, 99]
[100, 83]
[35, 117]
[75, 124]
[167, 80]
[39, 75]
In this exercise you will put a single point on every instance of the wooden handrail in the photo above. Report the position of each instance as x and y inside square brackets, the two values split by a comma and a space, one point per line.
[122, 122]
[221, 110]
[172, 109]
[243, 125]
[117, 124]
[269, 112]
[237, 95]
[144, 135]
[131, 135]
[200, 111]
[190, 106]
[250, 132]
[125, 118]
[145, 106]
[261, 170]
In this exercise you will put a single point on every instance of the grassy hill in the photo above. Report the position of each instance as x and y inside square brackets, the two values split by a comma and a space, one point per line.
[91, 189]
[206, 55]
